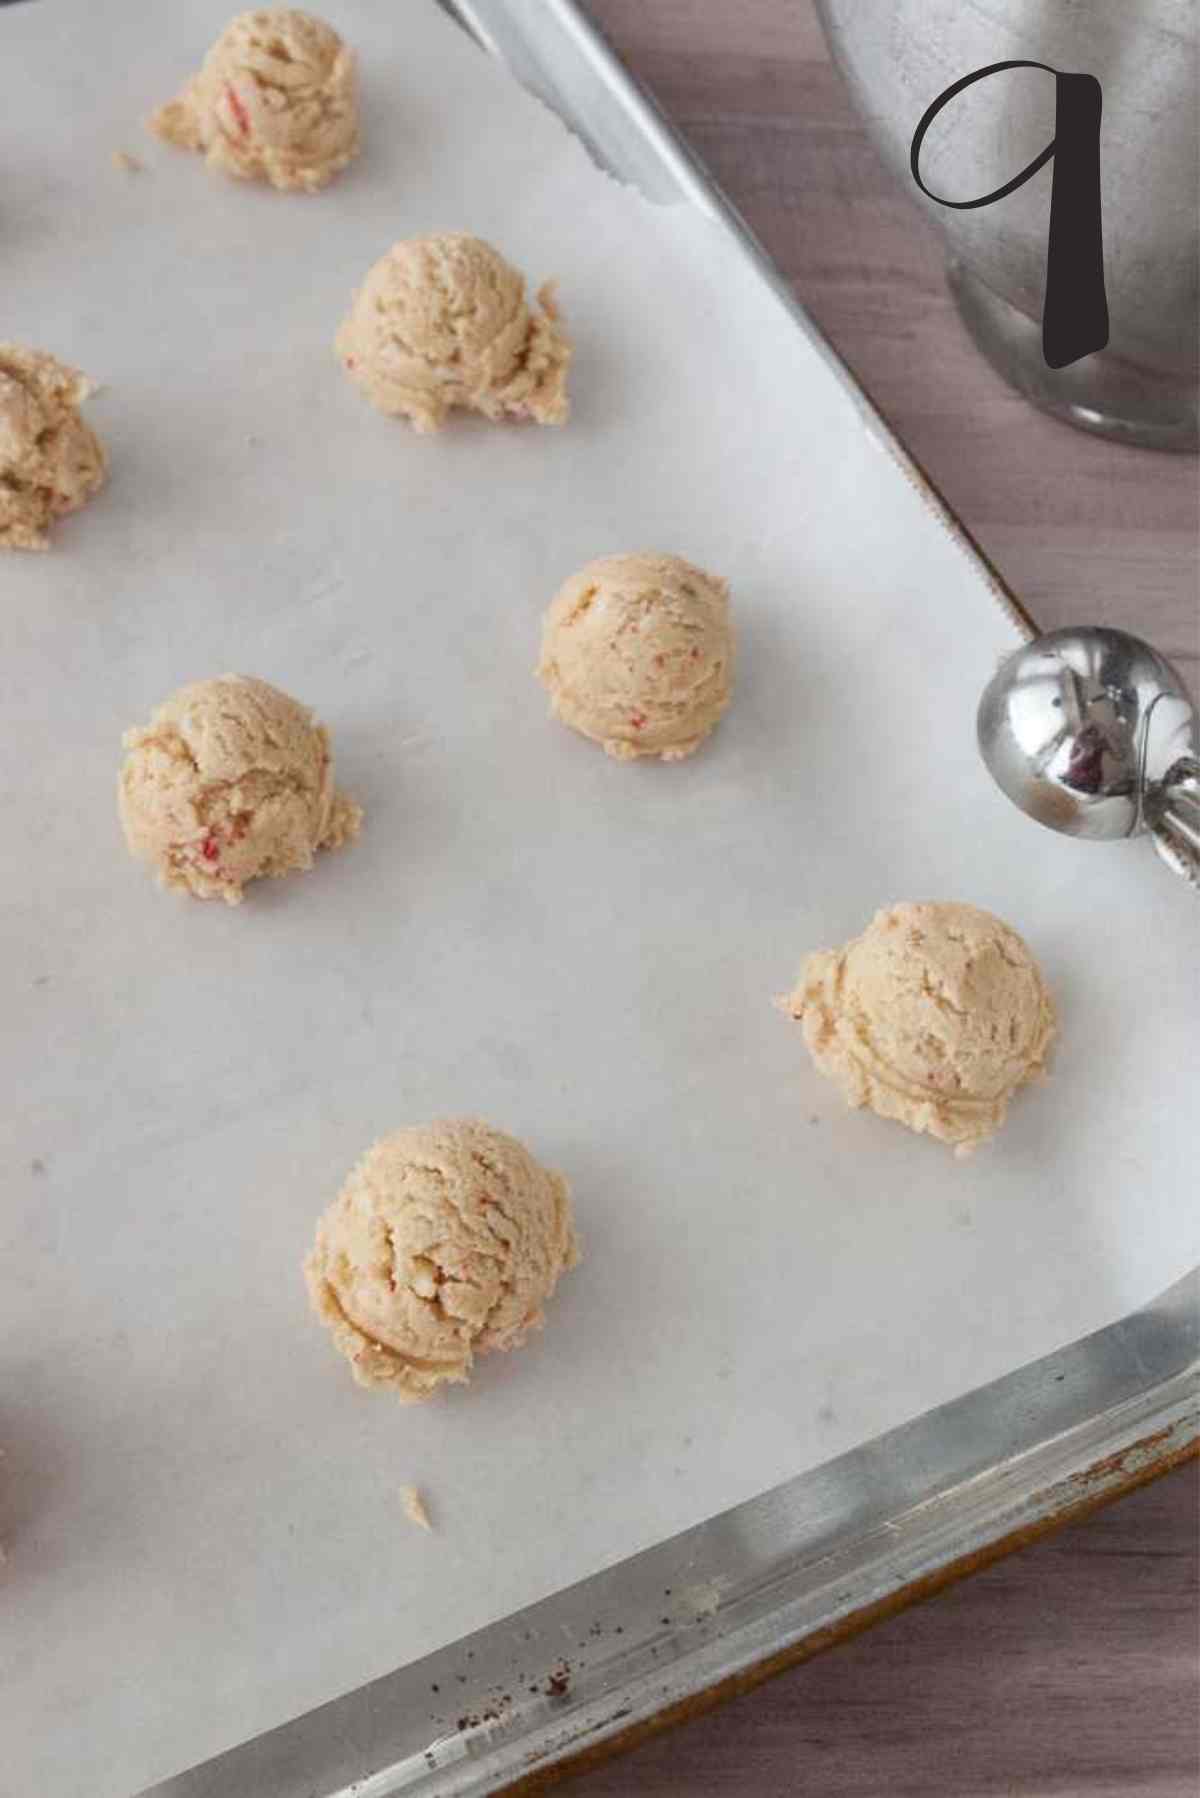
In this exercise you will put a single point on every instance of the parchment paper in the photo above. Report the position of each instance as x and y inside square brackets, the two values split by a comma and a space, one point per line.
[203, 1517]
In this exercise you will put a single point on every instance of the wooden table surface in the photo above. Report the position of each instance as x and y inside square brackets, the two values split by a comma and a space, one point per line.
[1069, 1670]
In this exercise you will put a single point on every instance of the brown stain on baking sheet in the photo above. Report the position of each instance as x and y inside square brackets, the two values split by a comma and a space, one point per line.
[1092, 1494]
[1115, 1464]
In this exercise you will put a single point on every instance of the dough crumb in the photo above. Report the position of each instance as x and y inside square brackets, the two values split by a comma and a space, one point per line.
[127, 163]
[414, 1507]
[442, 322]
[704, 1598]
[51, 462]
[275, 100]
[637, 654]
[935, 1016]
[231, 780]
[444, 1243]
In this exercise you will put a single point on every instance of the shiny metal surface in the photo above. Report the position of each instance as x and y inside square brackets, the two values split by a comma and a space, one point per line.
[897, 56]
[1094, 734]
[1173, 819]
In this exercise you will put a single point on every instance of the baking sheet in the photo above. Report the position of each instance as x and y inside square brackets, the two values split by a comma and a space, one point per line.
[202, 1515]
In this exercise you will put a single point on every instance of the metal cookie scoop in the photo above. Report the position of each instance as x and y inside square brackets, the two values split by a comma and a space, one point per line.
[1093, 733]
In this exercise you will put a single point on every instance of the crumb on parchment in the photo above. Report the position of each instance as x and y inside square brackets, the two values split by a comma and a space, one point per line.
[414, 1507]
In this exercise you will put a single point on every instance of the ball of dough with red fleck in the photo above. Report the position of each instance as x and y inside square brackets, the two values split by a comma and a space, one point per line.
[445, 1242]
[231, 780]
[934, 1016]
[637, 653]
[275, 100]
[444, 321]
[51, 462]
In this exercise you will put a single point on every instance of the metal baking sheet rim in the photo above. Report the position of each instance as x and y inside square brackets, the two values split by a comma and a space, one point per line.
[814, 1562]
[1150, 1432]
[1088, 1492]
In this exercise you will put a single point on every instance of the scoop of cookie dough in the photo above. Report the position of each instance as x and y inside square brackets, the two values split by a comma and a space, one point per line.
[51, 462]
[934, 1016]
[445, 1241]
[637, 653]
[275, 100]
[442, 322]
[230, 780]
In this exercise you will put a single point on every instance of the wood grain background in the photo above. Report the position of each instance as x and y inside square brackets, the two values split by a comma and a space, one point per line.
[1069, 1671]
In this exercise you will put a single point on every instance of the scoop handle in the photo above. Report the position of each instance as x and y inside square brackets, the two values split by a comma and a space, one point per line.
[1172, 813]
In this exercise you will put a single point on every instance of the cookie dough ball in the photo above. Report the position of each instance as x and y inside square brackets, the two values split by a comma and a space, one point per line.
[442, 322]
[445, 1241]
[934, 1016]
[637, 653]
[275, 100]
[51, 462]
[230, 780]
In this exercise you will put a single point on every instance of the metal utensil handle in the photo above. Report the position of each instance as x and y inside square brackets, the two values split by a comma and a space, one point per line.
[1172, 813]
